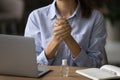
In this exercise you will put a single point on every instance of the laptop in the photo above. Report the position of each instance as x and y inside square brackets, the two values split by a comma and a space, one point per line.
[17, 57]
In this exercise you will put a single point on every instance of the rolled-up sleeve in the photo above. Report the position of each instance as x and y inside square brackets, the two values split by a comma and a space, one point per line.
[92, 56]
[33, 30]
[42, 60]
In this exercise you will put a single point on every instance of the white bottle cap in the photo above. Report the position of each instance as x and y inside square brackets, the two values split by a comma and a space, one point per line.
[64, 61]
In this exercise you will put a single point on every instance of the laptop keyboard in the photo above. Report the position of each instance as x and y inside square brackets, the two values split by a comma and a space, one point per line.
[42, 71]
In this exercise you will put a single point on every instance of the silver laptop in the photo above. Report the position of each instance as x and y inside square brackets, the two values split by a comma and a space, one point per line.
[17, 57]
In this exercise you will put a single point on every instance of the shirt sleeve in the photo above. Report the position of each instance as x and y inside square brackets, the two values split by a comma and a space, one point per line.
[92, 57]
[33, 30]
[42, 60]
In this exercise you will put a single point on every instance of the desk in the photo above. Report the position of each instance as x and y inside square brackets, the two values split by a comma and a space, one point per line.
[53, 75]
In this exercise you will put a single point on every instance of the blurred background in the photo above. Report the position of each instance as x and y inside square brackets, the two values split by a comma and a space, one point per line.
[14, 14]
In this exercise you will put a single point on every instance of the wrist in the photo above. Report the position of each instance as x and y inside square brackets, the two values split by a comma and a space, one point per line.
[67, 38]
[56, 40]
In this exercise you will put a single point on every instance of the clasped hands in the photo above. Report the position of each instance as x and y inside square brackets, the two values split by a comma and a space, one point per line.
[62, 29]
[62, 32]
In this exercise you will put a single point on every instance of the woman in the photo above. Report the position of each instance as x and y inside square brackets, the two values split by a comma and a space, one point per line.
[67, 29]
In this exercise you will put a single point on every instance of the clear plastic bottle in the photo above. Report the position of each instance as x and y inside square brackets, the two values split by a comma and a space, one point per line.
[64, 68]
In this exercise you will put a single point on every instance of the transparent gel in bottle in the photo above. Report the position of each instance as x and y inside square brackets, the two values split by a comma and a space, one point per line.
[64, 68]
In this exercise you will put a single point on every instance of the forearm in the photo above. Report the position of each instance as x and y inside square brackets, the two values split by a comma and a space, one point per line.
[51, 48]
[72, 45]
[87, 59]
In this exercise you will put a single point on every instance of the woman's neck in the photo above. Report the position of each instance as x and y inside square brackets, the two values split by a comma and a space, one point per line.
[66, 7]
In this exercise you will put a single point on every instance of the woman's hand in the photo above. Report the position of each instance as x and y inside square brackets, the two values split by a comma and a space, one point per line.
[62, 29]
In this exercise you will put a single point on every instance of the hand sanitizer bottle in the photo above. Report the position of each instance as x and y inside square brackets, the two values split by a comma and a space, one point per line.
[64, 68]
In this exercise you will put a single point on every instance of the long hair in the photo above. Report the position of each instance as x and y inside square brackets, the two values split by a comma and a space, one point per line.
[85, 8]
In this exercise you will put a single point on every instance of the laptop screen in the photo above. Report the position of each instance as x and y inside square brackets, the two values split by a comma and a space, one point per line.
[17, 56]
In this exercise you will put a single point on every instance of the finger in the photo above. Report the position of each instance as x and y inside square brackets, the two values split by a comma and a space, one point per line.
[59, 28]
[59, 31]
[64, 35]
[60, 20]
[59, 17]
[63, 27]
[63, 21]
[56, 21]
[56, 24]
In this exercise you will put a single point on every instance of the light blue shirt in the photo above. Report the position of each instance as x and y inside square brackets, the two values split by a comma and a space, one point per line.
[89, 33]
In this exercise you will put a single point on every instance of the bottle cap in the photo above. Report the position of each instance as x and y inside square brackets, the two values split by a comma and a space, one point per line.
[64, 61]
